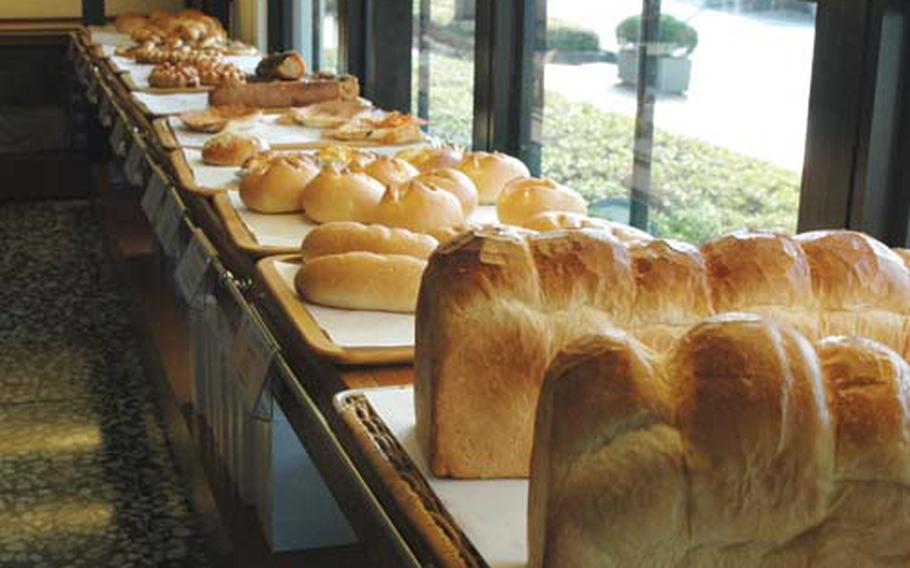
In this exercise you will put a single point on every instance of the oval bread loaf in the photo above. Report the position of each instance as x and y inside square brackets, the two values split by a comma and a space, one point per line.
[347, 236]
[362, 281]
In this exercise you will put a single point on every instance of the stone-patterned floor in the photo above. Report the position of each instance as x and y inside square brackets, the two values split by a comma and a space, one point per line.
[86, 473]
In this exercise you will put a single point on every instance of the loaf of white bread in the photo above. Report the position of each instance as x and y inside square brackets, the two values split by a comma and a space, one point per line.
[496, 305]
[743, 445]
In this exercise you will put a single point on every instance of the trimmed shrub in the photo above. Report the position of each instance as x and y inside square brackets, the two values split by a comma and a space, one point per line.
[673, 32]
[566, 37]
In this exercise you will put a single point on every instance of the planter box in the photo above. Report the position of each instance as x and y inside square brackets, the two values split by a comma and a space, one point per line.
[673, 73]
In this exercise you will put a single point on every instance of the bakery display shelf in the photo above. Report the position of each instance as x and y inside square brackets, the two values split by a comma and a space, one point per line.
[279, 137]
[186, 179]
[241, 234]
[342, 336]
[465, 523]
[154, 105]
[130, 82]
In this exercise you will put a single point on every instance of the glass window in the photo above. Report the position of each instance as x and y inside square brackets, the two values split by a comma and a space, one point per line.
[329, 57]
[443, 67]
[716, 140]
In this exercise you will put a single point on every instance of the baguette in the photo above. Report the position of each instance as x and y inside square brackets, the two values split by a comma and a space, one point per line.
[345, 236]
[362, 281]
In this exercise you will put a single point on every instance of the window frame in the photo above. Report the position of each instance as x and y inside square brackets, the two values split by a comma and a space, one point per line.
[841, 114]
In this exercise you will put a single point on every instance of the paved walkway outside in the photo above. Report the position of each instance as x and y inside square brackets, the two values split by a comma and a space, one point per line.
[750, 77]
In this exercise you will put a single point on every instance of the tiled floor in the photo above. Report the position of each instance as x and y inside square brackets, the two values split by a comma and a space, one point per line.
[86, 475]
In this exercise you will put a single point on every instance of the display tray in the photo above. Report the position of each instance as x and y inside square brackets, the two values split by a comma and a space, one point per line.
[356, 337]
[172, 134]
[195, 176]
[464, 522]
[162, 104]
[198, 177]
[136, 75]
[261, 234]
[108, 35]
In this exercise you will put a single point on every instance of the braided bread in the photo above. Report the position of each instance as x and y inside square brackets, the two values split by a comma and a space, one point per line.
[496, 305]
[743, 445]
[172, 75]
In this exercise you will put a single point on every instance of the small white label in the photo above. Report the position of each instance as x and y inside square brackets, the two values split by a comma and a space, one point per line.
[153, 196]
[251, 356]
[105, 112]
[134, 167]
[167, 223]
[118, 137]
[193, 268]
[92, 92]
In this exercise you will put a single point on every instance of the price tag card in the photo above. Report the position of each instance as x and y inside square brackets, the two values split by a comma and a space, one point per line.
[134, 167]
[105, 112]
[167, 223]
[93, 90]
[192, 270]
[153, 197]
[251, 355]
[118, 137]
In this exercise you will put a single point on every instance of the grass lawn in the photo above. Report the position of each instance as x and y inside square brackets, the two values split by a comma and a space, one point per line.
[700, 190]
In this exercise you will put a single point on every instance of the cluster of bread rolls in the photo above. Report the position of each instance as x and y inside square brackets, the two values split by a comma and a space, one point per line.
[497, 304]
[199, 72]
[189, 27]
[745, 445]
[363, 267]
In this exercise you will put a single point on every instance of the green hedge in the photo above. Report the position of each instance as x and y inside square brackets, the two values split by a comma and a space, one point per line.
[673, 32]
[567, 37]
[700, 190]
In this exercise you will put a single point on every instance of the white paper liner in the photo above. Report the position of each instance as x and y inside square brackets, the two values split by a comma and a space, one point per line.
[355, 328]
[210, 177]
[108, 50]
[492, 513]
[173, 103]
[110, 37]
[265, 127]
[272, 230]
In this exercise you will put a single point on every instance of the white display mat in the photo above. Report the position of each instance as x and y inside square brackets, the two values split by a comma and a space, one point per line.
[272, 230]
[265, 127]
[211, 177]
[355, 328]
[492, 513]
[174, 103]
[108, 50]
[109, 36]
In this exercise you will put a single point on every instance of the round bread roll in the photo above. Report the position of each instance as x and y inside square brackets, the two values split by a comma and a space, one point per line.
[427, 159]
[490, 172]
[341, 195]
[347, 236]
[418, 206]
[277, 186]
[362, 281]
[455, 183]
[389, 171]
[523, 198]
[231, 148]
